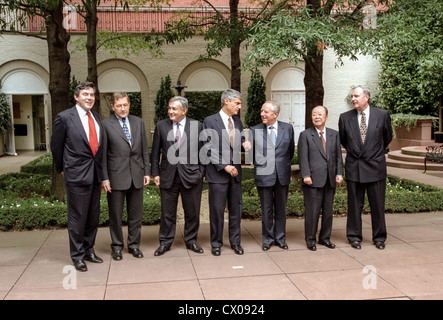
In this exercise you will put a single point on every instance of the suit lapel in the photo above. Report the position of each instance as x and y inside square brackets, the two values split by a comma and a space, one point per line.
[317, 141]
[78, 124]
[355, 129]
[280, 134]
[116, 125]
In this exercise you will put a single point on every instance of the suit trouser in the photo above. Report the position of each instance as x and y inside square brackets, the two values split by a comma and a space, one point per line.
[376, 197]
[218, 194]
[83, 204]
[191, 201]
[134, 209]
[318, 200]
[275, 197]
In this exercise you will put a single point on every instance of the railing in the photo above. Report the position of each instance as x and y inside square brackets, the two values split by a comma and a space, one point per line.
[114, 19]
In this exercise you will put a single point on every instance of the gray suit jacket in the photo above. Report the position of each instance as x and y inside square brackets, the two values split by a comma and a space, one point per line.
[366, 162]
[218, 150]
[314, 162]
[272, 163]
[71, 151]
[123, 163]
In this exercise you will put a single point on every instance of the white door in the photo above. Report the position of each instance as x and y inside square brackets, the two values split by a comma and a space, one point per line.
[292, 110]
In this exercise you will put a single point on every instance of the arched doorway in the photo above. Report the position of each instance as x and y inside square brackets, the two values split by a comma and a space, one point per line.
[288, 88]
[28, 97]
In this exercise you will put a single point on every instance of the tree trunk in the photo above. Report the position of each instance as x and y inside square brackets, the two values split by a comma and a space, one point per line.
[235, 47]
[313, 83]
[91, 48]
[59, 73]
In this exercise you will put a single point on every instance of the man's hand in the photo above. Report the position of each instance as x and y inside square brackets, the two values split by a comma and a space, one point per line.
[106, 185]
[307, 180]
[157, 181]
[231, 170]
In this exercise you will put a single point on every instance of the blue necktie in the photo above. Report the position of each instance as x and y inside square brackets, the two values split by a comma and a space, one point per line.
[273, 136]
[126, 130]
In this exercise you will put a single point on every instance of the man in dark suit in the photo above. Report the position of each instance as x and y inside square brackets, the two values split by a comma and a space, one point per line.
[224, 136]
[273, 143]
[365, 133]
[321, 167]
[125, 172]
[77, 150]
[177, 171]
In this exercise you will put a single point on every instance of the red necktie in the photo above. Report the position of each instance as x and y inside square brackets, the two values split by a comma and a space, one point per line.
[93, 141]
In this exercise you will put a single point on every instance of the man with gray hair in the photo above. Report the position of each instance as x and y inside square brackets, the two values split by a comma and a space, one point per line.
[224, 140]
[365, 133]
[273, 151]
[177, 171]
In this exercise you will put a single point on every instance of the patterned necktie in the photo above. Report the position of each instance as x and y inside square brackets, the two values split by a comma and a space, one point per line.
[363, 128]
[93, 140]
[323, 141]
[272, 135]
[177, 135]
[231, 131]
[126, 130]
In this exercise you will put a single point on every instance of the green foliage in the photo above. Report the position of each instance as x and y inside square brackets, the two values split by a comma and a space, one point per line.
[41, 165]
[5, 115]
[136, 103]
[256, 98]
[407, 121]
[203, 103]
[411, 75]
[164, 94]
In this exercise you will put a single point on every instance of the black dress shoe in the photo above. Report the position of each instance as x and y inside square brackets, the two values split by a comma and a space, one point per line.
[283, 245]
[238, 249]
[91, 257]
[117, 255]
[355, 244]
[194, 247]
[80, 265]
[266, 246]
[311, 247]
[161, 250]
[216, 251]
[328, 244]
[379, 245]
[136, 253]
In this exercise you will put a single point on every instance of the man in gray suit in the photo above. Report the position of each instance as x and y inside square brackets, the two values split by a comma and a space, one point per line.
[177, 171]
[77, 149]
[365, 133]
[223, 132]
[125, 170]
[321, 167]
[273, 151]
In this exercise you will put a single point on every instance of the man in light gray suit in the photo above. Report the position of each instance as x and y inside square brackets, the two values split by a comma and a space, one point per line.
[126, 170]
[273, 151]
[321, 167]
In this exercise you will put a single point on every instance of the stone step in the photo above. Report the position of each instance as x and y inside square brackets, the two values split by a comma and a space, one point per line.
[430, 166]
[406, 157]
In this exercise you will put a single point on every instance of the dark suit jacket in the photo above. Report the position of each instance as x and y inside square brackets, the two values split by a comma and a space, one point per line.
[314, 162]
[71, 151]
[365, 162]
[164, 159]
[123, 163]
[272, 163]
[219, 151]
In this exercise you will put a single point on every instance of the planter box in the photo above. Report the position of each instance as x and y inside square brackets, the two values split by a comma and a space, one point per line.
[420, 135]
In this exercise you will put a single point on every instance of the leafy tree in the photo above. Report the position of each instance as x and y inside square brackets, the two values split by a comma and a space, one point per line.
[304, 31]
[15, 13]
[222, 29]
[256, 98]
[411, 58]
[164, 94]
[5, 115]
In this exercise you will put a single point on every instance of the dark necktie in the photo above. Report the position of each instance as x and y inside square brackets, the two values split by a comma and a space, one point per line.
[93, 141]
[177, 135]
[363, 128]
[323, 141]
[231, 131]
[126, 130]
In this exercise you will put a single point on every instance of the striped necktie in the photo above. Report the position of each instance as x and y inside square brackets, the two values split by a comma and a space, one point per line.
[126, 130]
